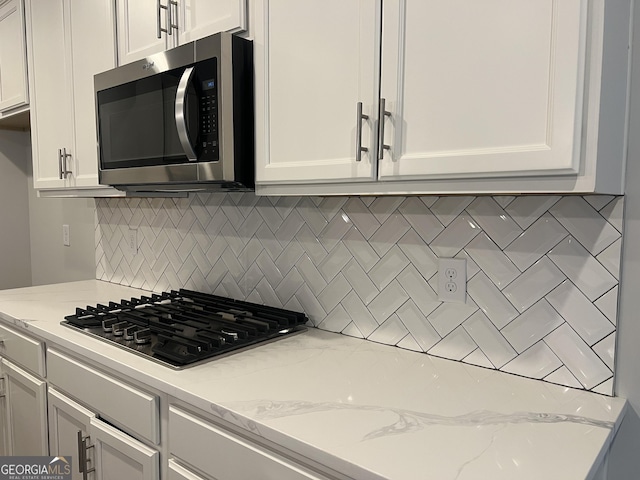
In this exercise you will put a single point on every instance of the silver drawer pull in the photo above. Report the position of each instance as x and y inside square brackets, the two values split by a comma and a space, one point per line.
[359, 118]
[381, 118]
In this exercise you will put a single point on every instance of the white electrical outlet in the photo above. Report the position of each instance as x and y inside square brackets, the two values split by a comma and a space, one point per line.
[452, 280]
[132, 241]
[66, 238]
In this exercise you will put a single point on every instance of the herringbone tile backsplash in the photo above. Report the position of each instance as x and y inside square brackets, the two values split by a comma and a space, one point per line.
[542, 270]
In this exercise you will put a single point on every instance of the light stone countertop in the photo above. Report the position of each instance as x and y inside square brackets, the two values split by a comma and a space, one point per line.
[364, 409]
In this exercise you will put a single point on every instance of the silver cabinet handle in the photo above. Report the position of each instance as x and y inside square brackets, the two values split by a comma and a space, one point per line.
[82, 462]
[170, 25]
[381, 118]
[180, 112]
[359, 147]
[158, 23]
[62, 163]
[167, 16]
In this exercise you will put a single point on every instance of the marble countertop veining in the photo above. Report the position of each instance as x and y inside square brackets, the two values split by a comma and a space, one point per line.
[367, 410]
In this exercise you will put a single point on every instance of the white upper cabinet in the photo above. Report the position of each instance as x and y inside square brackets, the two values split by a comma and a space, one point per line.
[461, 97]
[146, 27]
[310, 79]
[482, 88]
[67, 47]
[13, 59]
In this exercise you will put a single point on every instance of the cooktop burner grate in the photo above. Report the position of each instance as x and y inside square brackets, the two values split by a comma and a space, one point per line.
[185, 327]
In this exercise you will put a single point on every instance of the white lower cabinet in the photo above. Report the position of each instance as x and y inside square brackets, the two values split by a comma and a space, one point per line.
[225, 455]
[178, 472]
[25, 413]
[97, 448]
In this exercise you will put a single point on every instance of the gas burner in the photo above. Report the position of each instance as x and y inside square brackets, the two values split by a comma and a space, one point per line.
[184, 327]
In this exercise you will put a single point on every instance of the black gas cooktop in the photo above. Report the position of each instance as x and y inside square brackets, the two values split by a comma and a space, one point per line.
[184, 327]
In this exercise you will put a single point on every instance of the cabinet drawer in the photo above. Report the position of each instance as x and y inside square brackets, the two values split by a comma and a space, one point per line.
[131, 409]
[23, 350]
[225, 455]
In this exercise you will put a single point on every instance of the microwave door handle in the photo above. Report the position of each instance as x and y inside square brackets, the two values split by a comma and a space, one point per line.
[181, 117]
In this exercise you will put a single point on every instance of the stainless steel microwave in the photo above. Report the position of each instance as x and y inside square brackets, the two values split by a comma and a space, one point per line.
[181, 120]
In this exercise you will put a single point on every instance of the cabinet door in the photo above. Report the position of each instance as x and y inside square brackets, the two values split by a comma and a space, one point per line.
[27, 411]
[315, 60]
[92, 51]
[199, 18]
[488, 88]
[119, 456]
[13, 58]
[4, 413]
[66, 419]
[51, 112]
[138, 22]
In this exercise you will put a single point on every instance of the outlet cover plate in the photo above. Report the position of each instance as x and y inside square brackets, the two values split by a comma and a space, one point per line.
[452, 280]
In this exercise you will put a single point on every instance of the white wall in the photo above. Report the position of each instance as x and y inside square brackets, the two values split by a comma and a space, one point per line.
[625, 461]
[51, 261]
[15, 258]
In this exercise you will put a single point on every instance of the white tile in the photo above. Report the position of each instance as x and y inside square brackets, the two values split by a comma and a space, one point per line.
[499, 226]
[610, 258]
[606, 349]
[605, 388]
[311, 215]
[492, 261]
[352, 331]
[448, 316]
[310, 273]
[360, 281]
[455, 346]
[420, 218]
[289, 285]
[269, 269]
[361, 250]
[388, 301]
[536, 362]
[472, 267]
[580, 313]
[388, 268]
[583, 363]
[268, 213]
[533, 284]
[446, 209]
[409, 343]
[563, 376]
[419, 290]
[504, 200]
[613, 213]
[384, 207]
[532, 326]
[489, 339]
[359, 313]
[478, 358]
[585, 223]
[289, 257]
[285, 205]
[367, 200]
[533, 243]
[250, 253]
[361, 217]
[528, 208]
[490, 300]
[309, 303]
[420, 255]
[330, 206]
[454, 238]
[389, 233]
[336, 320]
[390, 332]
[268, 241]
[608, 304]
[310, 244]
[250, 224]
[581, 268]
[598, 201]
[334, 262]
[334, 292]
[418, 325]
[429, 200]
[334, 231]
[250, 280]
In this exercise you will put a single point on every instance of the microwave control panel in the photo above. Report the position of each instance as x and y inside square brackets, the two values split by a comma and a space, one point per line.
[209, 121]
